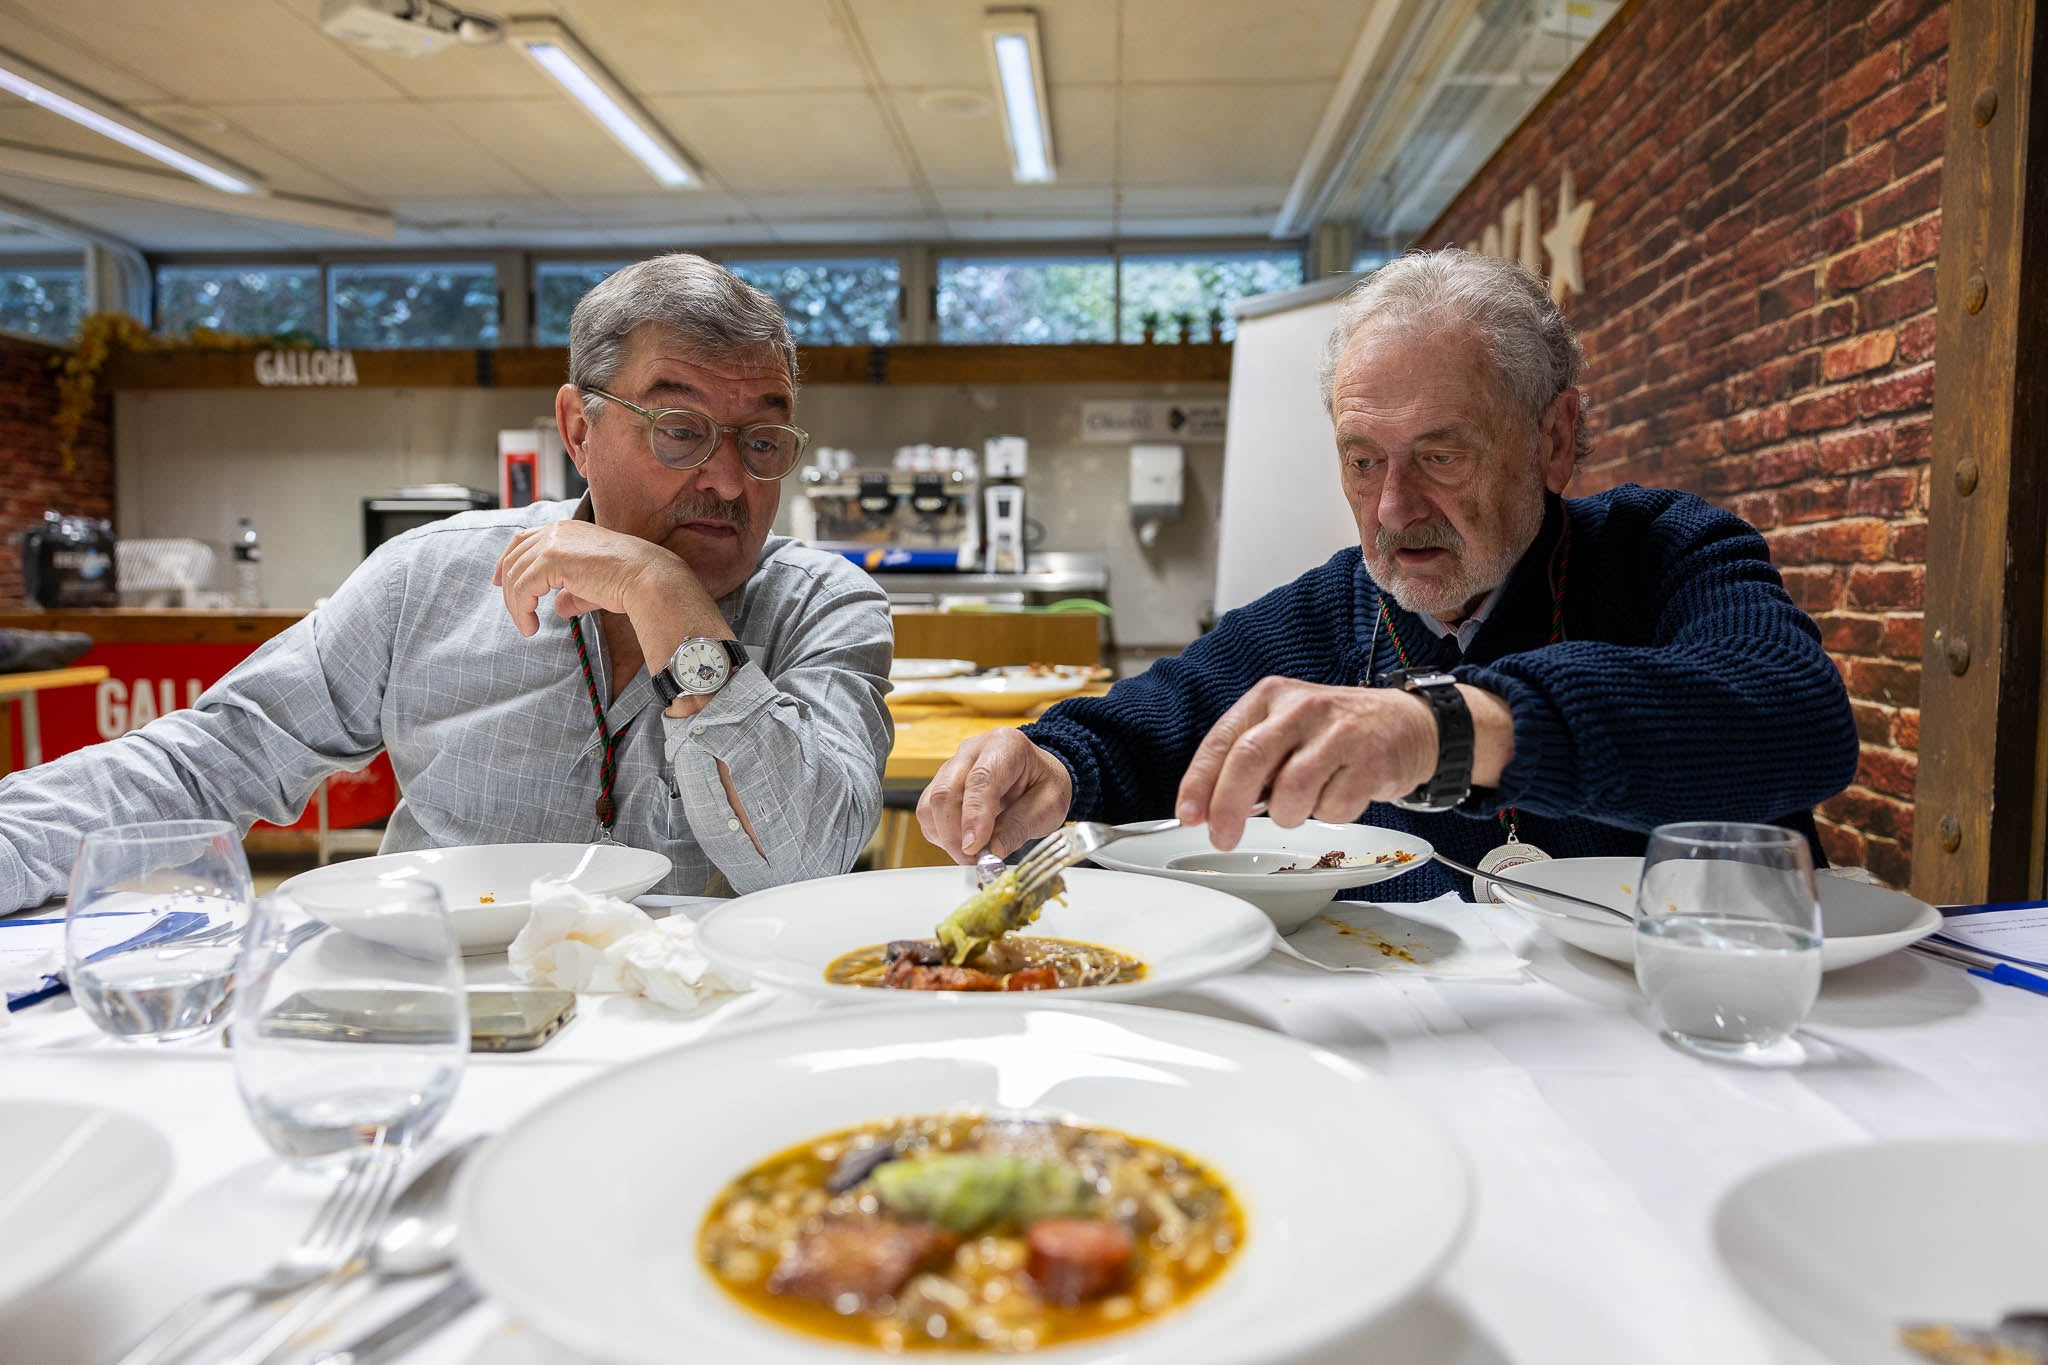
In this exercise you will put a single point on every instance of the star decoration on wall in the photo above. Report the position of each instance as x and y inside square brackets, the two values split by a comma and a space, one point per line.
[1562, 241]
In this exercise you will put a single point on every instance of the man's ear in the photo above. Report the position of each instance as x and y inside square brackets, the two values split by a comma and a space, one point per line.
[1560, 444]
[573, 424]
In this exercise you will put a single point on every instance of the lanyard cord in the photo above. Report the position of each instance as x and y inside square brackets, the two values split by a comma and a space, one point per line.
[607, 809]
[1560, 568]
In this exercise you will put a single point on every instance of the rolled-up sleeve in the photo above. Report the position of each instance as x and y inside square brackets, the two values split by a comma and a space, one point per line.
[804, 732]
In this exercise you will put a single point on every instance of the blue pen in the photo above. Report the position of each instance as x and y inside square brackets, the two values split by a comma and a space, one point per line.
[2007, 975]
[176, 925]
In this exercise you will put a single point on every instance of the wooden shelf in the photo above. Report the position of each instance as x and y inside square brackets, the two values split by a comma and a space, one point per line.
[155, 625]
[545, 366]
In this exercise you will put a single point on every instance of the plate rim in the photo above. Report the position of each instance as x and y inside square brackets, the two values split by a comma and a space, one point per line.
[1311, 1330]
[1336, 878]
[336, 868]
[1255, 949]
[152, 1166]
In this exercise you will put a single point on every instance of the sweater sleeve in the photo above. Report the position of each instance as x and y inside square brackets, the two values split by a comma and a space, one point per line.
[1731, 710]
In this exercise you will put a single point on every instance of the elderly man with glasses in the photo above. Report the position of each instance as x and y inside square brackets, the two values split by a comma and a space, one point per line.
[1502, 670]
[648, 665]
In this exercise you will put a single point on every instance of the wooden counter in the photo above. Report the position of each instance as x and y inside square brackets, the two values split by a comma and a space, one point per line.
[155, 625]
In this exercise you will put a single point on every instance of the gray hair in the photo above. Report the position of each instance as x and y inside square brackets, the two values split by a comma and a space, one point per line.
[1535, 353]
[710, 310]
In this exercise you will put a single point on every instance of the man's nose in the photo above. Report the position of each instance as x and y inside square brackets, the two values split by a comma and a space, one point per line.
[1402, 502]
[723, 474]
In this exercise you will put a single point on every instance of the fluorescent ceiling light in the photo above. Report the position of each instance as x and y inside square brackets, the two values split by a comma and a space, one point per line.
[1018, 64]
[555, 50]
[81, 106]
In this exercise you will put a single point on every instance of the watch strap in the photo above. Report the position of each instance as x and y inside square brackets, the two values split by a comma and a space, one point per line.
[1451, 783]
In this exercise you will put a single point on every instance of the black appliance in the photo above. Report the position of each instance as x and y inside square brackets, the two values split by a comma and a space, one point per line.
[393, 514]
[69, 562]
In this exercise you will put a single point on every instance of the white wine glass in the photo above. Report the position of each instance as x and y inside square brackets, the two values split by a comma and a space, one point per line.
[1728, 937]
[351, 1019]
[152, 925]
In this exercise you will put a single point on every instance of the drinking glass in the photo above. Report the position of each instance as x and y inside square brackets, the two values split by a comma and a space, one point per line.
[1728, 936]
[351, 1023]
[151, 928]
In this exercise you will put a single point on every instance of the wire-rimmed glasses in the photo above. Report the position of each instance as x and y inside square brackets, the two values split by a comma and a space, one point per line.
[683, 438]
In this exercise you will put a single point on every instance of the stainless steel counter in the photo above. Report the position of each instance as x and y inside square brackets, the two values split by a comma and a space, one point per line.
[1053, 573]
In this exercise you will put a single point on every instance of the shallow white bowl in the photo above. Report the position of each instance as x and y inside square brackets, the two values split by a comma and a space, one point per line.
[787, 935]
[1844, 1246]
[505, 872]
[1008, 694]
[71, 1177]
[585, 1213]
[905, 670]
[1290, 899]
[1857, 922]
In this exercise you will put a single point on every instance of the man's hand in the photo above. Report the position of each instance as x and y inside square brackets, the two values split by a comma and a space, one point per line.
[587, 568]
[995, 792]
[1326, 753]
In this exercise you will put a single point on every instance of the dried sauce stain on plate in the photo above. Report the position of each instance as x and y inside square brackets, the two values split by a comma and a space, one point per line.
[1385, 947]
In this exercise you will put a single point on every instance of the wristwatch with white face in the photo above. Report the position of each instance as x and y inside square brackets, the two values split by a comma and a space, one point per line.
[700, 666]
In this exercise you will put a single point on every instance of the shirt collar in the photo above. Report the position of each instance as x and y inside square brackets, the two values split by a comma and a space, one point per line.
[1466, 630]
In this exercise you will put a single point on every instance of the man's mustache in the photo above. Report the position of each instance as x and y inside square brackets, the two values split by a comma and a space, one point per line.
[1437, 535]
[702, 506]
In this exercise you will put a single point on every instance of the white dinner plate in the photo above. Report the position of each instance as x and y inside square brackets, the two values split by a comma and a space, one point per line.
[1858, 922]
[1843, 1246]
[503, 872]
[787, 935]
[585, 1213]
[906, 670]
[1290, 899]
[71, 1178]
[1011, 692]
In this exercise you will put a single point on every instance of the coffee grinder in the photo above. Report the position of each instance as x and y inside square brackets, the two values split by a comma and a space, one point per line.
[1002, 492]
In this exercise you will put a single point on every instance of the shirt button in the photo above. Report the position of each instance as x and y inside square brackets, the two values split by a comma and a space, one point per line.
[696, 729]
[732, 824]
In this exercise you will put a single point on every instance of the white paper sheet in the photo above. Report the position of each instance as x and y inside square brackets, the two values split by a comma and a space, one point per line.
[2017, 932]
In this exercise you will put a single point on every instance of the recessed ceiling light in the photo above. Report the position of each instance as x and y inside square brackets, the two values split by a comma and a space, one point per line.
[556, 51]
[47, 90]
[1017, 63]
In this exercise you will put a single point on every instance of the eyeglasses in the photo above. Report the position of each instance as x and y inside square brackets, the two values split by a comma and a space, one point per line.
[683, 439]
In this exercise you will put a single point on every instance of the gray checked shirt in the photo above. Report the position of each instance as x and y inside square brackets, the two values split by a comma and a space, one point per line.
[492, 735]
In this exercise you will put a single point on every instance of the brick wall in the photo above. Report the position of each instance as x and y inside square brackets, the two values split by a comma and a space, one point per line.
[34, 477]
[1759, 310]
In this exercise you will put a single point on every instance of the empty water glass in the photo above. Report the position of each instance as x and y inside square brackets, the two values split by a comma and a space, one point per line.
[1728, 936]
[152, 926]
[351, 1022]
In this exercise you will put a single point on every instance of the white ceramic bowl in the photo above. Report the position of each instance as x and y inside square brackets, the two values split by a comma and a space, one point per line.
[1290, 899]
[907, 670]
[71, 1178]
[1009, 694]
[1844, 1246]
[504, 872]
[787, 935]
[1857, 922]
[585, 1213]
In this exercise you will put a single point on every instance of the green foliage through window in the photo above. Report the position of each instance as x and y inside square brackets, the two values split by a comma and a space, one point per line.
[1045, 300]
[247, 300]
[558, 286]
[833, 302]
[1193, 287]
[426, 304]
[42, 301]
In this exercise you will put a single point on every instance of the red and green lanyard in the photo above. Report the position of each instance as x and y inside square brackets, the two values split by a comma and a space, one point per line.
[1560, 566]
[608, 770]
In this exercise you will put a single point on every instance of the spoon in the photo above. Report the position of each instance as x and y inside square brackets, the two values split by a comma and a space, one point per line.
[1477, 876]
[416, 1238]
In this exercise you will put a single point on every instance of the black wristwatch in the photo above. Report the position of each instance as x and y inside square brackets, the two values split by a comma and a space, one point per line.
[1452, 781]
[700, 666]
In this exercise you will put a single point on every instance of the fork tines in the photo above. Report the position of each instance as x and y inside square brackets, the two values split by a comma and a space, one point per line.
[1045, 862]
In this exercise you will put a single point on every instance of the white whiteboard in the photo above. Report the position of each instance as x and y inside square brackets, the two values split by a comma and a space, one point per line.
[1283, 511]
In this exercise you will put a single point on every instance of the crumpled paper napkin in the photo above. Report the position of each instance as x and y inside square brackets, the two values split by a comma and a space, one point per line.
[1447, 937]
[599, 945]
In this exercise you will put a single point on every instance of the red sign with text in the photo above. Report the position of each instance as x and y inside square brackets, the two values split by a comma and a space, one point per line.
[146, 680]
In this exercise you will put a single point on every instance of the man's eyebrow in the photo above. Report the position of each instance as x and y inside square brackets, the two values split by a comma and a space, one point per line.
[1450, 431]
[677, 388]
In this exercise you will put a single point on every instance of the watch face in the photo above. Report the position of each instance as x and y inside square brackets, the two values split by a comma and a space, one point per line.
[700, 666]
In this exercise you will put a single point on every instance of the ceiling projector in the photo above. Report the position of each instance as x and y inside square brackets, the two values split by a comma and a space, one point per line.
[410, 28]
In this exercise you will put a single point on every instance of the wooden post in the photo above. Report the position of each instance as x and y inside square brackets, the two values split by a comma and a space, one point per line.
[1978, 827]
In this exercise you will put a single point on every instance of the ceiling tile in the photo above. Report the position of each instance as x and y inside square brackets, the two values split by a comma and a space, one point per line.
[681, 47]
[22, 122]
[25, 28]
[554, 143]
[1239, 40]
[389, 148]
[1218, 135]
[957, 152]
[151, 226]
[919, 44]
[811, 140]
[219, 52]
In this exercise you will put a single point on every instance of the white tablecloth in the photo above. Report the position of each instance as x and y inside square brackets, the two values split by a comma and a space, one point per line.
[1598, 1151]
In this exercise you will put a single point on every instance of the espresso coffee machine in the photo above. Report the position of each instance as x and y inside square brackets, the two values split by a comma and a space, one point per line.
[921, 515]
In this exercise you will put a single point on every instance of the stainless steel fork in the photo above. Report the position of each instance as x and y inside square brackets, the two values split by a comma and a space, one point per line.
[1077, 842]
[335, 1235]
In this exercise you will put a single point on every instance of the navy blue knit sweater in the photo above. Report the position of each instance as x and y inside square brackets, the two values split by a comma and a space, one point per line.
[1687, 687]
